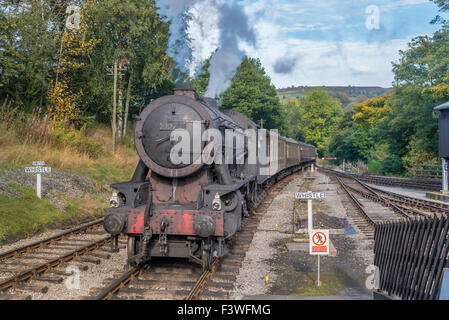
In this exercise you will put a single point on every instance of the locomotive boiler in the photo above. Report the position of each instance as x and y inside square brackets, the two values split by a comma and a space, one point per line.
[190, 209]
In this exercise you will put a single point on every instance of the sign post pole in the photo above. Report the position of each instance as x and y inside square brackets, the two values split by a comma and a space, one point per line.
[38, 169]
[309, 216]
[39, 186]
[318, 277]
[319, 245]
[309, 196]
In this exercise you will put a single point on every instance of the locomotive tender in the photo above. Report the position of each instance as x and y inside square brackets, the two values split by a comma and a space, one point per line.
[191, 210]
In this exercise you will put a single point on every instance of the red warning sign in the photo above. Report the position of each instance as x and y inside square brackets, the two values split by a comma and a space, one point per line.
[319, 242]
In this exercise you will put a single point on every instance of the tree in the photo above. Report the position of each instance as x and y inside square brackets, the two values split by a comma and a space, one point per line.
[444, 7]
[76, 47]
[29, 43]
[372, 110]
[132, 30]
[202, 79]
[426, 62]
[320, 117]
[252, 94]
[292, 125]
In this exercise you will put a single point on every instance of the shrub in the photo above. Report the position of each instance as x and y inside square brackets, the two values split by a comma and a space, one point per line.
[392, 165]
[374, 166]
[77, 141]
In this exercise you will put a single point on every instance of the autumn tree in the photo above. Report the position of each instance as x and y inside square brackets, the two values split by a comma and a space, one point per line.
[76, 47]
[370, 111]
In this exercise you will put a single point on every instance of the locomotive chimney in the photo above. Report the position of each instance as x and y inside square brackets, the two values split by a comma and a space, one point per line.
[186, 92]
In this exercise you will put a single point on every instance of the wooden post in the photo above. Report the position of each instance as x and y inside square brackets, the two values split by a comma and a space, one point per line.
[128, 97]
[114, 112]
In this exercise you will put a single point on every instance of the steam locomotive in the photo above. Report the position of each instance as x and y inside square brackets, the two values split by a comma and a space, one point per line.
[190, 209]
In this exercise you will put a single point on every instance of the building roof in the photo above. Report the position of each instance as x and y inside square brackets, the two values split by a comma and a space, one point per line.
[441, 107]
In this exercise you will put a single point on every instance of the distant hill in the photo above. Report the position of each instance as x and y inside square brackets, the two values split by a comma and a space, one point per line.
[349, 96]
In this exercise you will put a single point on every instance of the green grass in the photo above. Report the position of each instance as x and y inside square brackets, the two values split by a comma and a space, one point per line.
[27, 215]
[77, 152]
[331, 284]
[290, 94]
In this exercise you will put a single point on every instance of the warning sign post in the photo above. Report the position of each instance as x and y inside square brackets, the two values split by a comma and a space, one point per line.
[319, 246]
[319, 242]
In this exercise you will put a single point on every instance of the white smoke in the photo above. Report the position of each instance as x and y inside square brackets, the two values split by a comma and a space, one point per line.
[198, 28]
[234, 27]
[203, 32]
[179, 42]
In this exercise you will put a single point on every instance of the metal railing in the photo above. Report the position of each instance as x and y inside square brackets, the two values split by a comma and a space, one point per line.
[426, 171]
[411, 256]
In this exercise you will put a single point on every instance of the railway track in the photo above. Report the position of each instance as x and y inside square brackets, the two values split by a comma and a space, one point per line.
[30, 268]
[405, 205]
[176, 279]
[365, 213]
[371, 205]
[421, 184]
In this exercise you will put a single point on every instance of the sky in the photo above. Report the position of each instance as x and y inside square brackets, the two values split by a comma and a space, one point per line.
[318, 42]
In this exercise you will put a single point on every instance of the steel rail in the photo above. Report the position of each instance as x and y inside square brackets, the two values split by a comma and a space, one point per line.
[402, 207]
[48, 241]
[199, 285]
[108, 291]
[356, 202]
[403, 202]
[119, 283]
[38, 270]
[384, 200]
[390, 181]
[402, 210]
[416, 201]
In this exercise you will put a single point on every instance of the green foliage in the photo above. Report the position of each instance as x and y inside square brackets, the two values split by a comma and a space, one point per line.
[397, 130]
[31, 40]
[28, 47]
[443, 5]
[132, 29]
[320, 116]
[392, 165]
[292, 126]
[252, 94]
[201, 81]
[426, 62]
[374, 166]
[76, 140]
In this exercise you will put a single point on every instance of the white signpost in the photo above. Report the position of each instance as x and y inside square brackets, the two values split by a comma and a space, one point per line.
[309, 195]
[319, 246]
[318, 239]
[38, 169]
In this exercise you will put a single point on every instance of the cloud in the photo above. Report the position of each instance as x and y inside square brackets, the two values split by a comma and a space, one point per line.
[329, 63]
[403, 3]
[285, 65]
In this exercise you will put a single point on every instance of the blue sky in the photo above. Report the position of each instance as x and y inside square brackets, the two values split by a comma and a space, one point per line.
[322, 42]
[328, 41]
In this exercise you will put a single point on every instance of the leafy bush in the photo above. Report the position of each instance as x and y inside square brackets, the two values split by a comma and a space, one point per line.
[374, 166]
[77, 141]
[392, 165]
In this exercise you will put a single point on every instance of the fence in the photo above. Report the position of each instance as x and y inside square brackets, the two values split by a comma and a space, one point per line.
[426, 171]
[411, 256]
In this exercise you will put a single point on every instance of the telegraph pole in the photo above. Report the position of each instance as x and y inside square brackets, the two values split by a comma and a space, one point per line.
[114, 112]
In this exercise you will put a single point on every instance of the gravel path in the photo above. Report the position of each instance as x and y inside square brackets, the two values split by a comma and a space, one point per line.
[252, 276]
[268, 253]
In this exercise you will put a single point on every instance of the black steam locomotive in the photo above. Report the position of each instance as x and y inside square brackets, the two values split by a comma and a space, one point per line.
[190, 209]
